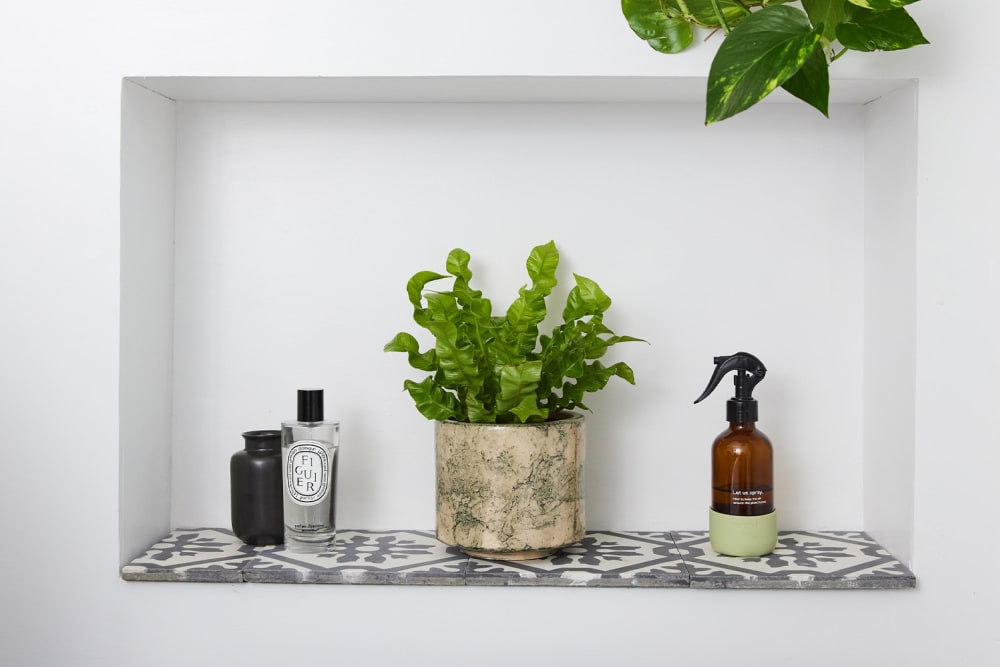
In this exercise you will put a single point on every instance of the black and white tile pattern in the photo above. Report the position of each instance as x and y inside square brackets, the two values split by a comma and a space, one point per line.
[679, 559]
[365, 557]
[200, 554]
[602, 558]
[839, 559]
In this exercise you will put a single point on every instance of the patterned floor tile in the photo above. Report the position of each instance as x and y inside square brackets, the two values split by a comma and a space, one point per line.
[601, 559]
[364, 557]
[197, 554]
[839, 559]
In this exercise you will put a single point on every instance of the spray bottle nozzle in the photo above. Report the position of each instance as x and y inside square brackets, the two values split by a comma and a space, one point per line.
[742, 407]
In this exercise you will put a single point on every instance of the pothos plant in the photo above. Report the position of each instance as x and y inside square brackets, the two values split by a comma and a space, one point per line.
[501, 369]
[770, 43]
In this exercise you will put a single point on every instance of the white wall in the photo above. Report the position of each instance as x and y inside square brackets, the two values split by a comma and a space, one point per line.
[61, 65]
[298, 226]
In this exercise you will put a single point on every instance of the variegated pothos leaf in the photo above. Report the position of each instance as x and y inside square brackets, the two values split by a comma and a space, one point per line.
[766, 49]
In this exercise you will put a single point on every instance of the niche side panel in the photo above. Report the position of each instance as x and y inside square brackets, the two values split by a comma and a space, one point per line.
[146, 317]
[890, 318]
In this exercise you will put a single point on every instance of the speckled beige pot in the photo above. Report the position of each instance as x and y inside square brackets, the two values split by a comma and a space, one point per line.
[510, 491]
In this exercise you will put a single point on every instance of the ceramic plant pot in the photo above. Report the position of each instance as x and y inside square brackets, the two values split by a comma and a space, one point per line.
[510, 491]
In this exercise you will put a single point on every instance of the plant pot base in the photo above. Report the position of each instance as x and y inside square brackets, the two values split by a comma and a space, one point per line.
[510, 555]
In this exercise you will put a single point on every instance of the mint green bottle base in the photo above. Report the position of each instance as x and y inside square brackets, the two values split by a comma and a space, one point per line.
[743, 535]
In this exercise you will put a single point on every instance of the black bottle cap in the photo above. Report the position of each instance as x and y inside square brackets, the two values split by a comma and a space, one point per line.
[267, 442]
[310, 405]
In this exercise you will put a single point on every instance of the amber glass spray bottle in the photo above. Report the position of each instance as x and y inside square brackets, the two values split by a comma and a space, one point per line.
[742, 519]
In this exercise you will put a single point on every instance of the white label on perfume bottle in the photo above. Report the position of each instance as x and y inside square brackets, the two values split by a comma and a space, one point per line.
[307, 472]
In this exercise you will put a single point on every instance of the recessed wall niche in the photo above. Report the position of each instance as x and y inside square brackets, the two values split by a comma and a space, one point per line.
[268, 227]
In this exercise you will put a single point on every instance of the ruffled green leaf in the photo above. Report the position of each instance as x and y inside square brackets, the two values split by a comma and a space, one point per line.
[441, 307]
[625, 339]
[455, 357]
[476, 310]
[766, 49]
[890, 30]
[519, 390]
[478, 412]
[520, 327]
[404, 342]
[594, 346]
[528, 410]
[542, 264]
[489, 369]
[415, 291]
[595, 378]
[565, 358]
[432, 401]
[416, 284]
[519, 330]
[457, 264]
[586, 298]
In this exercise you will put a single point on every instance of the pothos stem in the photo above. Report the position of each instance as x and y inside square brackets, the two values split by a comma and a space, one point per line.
[720, 16]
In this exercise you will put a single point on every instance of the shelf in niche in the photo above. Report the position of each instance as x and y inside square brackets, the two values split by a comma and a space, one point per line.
[603, 559]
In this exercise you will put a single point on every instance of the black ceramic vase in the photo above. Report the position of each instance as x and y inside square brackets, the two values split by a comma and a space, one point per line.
[255, 489]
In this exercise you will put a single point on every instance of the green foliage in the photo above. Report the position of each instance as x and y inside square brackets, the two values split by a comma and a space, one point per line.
[501, 369]
[760, 54]
[662, 25]
[884, 30]
[769, 43]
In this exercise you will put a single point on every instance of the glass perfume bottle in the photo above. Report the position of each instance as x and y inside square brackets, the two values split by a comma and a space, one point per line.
[255, 489]
[309, 448]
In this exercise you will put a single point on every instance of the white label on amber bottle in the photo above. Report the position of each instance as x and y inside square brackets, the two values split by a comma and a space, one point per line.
[307, 472]
[751, 497]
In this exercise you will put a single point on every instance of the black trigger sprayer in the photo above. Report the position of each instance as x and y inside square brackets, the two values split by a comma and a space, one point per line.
[742, 407]
[742, 519]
